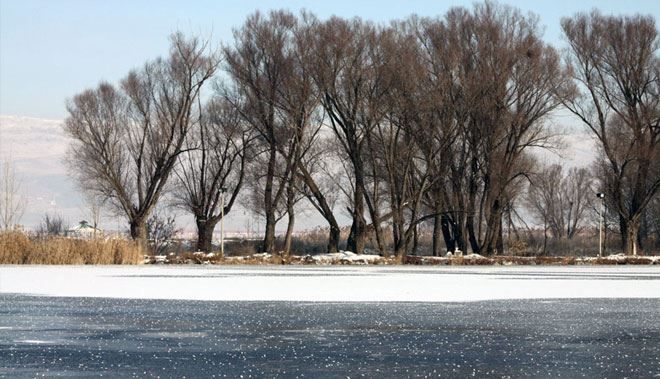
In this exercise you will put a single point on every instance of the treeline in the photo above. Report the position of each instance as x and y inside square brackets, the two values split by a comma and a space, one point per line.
[422, 120]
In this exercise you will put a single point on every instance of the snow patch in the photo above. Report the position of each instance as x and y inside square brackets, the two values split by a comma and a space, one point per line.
[347, 257]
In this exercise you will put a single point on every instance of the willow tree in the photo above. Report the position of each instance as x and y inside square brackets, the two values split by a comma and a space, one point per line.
[349, 75]
[211, 172]
[559, 199]
[258, 65]
[127, 139]
[506, 81]
[615, 65]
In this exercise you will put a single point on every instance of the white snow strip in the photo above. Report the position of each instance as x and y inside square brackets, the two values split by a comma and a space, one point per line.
[346, 256]
[35, 342]
[333, 283]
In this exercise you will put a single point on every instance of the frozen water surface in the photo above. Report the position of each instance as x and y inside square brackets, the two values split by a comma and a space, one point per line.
[334, 283]
[54, 330]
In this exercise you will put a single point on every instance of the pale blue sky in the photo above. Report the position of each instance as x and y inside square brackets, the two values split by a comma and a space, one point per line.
[51, 50]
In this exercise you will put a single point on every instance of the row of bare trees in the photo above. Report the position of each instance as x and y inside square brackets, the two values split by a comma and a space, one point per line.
[424, 120]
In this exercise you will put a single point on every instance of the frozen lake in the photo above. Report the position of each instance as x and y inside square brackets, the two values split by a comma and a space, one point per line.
[320, 322]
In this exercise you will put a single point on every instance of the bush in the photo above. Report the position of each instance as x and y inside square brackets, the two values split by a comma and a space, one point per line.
[160, 232]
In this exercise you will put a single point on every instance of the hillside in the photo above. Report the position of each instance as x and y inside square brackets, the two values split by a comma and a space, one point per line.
[38, 147]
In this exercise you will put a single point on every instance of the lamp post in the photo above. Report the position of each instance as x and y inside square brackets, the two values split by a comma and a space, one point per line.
[601, 196]
[222, 221]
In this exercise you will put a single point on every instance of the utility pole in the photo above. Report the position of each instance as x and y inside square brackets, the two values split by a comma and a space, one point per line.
[222, 222]
[601, 196]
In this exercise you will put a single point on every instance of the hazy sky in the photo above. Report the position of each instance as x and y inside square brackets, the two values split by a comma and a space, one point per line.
[51, 50]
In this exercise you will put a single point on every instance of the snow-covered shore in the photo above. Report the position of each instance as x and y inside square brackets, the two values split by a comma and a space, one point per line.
[333, 283]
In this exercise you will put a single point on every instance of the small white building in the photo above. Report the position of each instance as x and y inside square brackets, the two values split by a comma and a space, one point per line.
[84, 230]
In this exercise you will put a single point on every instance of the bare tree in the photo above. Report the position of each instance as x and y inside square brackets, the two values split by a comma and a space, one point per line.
[127, 140]
[212, 170]
[348, 73]
[653, 217]
[402, 141]
[505, 83]
[258, 64]
[616, 68]
[51, 226]
[299, 102]
[95, 207]
[487, 84]
[161, 228]
[559, 200]
[13, 201]
[319, 186]
[270, 68]
[440, 112]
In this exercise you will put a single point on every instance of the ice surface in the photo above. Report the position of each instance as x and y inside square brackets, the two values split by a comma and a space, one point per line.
[123, 338]
[333, 283]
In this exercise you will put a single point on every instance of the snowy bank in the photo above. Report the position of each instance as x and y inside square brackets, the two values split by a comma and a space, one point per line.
[350, 258]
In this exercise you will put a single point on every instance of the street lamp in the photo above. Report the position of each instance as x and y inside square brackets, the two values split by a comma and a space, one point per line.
[222, 221]
[601, 196]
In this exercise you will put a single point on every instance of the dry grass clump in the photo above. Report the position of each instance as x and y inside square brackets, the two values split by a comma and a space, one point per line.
[506, 260]
[629, 260]
[17, 248]
[14, 247]
[241, 248]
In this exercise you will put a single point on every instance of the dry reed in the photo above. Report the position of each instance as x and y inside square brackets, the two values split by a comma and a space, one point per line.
[18, 248]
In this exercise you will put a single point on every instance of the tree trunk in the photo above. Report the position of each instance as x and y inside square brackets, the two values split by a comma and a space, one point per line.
[356, 239]
[289, 233]
[632, 233]
[205, 230]
[493, 229]
[460, 231]
[334, 236]
[398, 233]
[415, 245]
[268, 245]
[623, 228]
[138, 229]
[326, 211]
[378, 233]
[474, 244]
[446, 233]
[499, 244]
[545, 236]
[437, 233]
[643, 233]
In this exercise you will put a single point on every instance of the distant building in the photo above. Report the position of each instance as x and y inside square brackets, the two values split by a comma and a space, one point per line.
[84, 230]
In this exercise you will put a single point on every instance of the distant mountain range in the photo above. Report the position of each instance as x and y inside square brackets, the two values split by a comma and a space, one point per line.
[38, 148]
